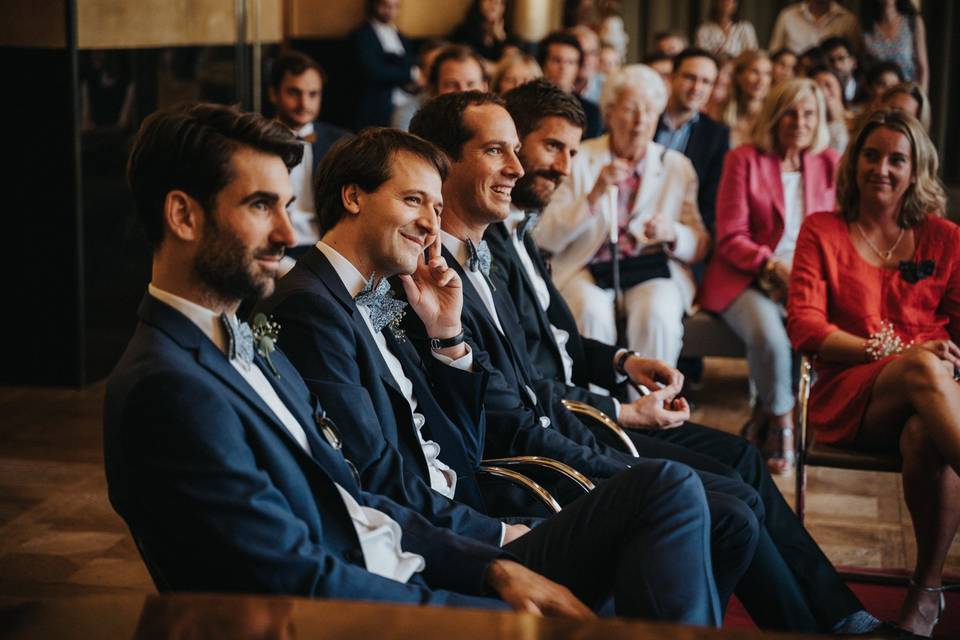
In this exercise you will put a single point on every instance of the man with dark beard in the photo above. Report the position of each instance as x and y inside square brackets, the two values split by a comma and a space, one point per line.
[790, 584]
[227, 470]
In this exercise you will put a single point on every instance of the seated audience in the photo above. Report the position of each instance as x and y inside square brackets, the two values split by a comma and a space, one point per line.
[909, 98]
[403, 113]
[561, 57]
[296, 87]
[456, 68]
[662, 63]
[589, 79]
[769, 185]
[720, 94]
[626, 188]
[893, 31]
[513, 71]
[385, 64]
[809, 59]
[875, 296]
[484, 29]
[750, 84]
[784, 65]
[806, 23]
[669, 43]
[879, 78]
[724, 32]
[787, 561]
[227, 470]
[685, 128]
[411, 427]
[837, 115]
[610, 59]
[842, 59]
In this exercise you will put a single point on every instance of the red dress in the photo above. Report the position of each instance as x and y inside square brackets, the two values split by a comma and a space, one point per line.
[832, 287]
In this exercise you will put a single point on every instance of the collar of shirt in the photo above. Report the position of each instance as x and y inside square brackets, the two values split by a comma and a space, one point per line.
[389, 37]
[206, 319]
[514, 219]
[304, 131]
[689, 122]
[352, 279]
[456, 246]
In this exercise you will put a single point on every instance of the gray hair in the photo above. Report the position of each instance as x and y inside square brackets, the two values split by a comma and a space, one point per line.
[638, 76]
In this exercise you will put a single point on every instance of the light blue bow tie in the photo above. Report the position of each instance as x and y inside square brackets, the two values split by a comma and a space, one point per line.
[380, 303]
[479, 257]
[239, 339]
[528, 224]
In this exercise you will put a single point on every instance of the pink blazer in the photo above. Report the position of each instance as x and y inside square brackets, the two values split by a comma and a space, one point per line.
[750, 214]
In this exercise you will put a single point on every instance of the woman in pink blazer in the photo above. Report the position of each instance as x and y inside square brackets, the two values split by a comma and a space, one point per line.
[784, 173]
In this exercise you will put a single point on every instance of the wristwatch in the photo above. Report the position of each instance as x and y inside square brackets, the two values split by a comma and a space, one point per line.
[443, 343]
[622, 360]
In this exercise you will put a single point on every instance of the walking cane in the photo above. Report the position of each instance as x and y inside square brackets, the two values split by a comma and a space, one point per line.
[619, 310]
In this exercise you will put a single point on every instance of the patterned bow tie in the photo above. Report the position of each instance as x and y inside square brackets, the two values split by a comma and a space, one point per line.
[239, 339]
[479, 257]
[384, 309]
[528, 224]
[310, 138]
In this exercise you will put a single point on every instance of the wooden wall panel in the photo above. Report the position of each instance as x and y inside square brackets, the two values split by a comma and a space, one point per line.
[337, 18]
[109, 24]
[31, 23]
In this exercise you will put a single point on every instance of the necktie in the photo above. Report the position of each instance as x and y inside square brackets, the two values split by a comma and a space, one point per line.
[384, 309]
[528, 224]
[240, 339]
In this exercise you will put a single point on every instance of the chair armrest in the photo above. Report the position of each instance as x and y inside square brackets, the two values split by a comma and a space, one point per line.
[804, 439]
[530, 465]
[522, 481]
[599, 420]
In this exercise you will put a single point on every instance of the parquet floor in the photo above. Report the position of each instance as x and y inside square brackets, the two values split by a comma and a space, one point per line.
[59, 536]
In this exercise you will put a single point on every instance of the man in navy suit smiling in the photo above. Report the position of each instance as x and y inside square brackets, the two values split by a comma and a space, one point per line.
[226, 469]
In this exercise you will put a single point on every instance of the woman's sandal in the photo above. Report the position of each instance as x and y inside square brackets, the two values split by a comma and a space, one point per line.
[941, 603]
[781, 451]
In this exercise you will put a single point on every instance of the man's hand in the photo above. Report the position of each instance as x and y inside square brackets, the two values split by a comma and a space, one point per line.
[530, 592]
[652, 373]
[660, 229]
[435, 294]
[659, 410]
[514, 531]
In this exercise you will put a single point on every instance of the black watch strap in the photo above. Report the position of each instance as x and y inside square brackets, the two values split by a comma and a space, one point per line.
[622, 360]
[444, 343]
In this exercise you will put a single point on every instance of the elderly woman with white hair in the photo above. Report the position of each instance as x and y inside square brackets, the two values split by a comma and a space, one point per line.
[769, 185]
[624, 187]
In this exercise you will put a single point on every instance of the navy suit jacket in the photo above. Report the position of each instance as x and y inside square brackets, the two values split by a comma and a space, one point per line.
[707, 146]
[328, 341]
[222, 498]
[517, 397]
[592, 360]
[380, 74]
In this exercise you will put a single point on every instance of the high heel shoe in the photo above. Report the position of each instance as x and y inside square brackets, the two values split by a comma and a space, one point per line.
[941, 601]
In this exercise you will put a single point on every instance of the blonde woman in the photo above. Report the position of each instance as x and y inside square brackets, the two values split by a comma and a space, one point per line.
[783, 173]
[513, 71]
[875, 294]
[751, 82]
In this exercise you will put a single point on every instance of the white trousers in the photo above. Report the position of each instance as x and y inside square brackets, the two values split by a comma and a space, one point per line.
[654, 323]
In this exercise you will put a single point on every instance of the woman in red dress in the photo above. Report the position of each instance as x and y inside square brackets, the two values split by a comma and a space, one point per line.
[875, 295]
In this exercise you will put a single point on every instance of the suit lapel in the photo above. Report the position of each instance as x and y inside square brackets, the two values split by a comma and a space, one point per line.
[774, 184]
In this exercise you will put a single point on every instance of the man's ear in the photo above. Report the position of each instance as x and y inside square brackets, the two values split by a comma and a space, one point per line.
[350, 196]
[182, 216]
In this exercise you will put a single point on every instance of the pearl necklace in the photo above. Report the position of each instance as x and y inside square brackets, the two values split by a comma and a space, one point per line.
[883, 255]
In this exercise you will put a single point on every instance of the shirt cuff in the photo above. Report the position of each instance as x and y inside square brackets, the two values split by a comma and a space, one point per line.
[464, 363]
[503, 532]
[616, 409]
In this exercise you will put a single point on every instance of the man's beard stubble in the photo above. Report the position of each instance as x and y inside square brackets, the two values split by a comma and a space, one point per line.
[525, 194]
[225, 265]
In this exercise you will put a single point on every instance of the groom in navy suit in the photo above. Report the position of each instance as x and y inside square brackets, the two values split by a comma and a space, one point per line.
[226, 469]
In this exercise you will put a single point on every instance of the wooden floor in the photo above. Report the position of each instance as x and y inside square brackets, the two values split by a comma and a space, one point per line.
[59, 536]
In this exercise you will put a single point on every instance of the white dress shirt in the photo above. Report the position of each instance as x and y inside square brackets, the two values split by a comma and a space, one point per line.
[379, 534]
[389, 38]
[793, 213]
[303, 217]
[443, 479]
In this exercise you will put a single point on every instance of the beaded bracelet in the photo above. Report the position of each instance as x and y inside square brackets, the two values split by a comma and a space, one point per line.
[883, 342]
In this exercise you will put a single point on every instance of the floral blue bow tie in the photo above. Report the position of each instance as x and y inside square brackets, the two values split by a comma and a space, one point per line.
[384, 309]
[479, 258]
[239, 339]
[528, 224]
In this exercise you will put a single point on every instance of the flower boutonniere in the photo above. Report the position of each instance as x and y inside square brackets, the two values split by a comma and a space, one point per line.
[265, 334]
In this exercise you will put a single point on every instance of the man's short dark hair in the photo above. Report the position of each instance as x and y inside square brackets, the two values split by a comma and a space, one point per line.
[816, 70]
[365, 160]
[440, 120]
[829, 44]
[694, 52]
[533, 101]
[294, 63]
[458, 52]
[782, 51]
[875, 72]
[656, 56]
[561, 38]
[190, 148]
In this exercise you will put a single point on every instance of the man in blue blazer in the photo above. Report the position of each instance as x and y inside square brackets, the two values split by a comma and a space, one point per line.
[224, 466]
[416, 424]
[788, 560]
